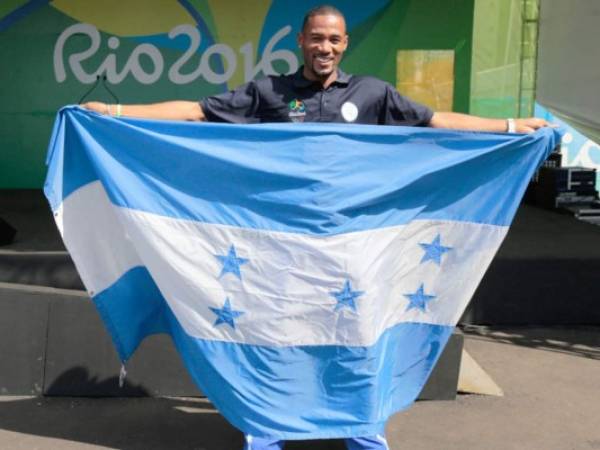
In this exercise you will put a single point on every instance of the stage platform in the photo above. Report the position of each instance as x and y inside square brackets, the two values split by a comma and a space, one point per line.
[546, 273]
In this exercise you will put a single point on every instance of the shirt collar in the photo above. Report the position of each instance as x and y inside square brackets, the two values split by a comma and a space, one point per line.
[300, 81]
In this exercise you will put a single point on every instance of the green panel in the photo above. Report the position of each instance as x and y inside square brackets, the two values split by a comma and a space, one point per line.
[423, 24]
[496, 36]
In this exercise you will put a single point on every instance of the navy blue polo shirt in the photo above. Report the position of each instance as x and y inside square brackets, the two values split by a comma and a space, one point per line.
[293, 98]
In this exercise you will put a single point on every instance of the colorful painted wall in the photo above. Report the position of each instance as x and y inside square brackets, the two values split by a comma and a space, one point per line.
[153, 50]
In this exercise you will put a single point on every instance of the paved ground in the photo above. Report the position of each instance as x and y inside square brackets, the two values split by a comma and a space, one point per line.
[551, 378]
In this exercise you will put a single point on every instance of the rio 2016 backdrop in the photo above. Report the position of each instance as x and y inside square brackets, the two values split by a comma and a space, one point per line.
[155, 50]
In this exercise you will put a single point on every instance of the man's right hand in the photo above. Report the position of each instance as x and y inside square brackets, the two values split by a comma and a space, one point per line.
[173, 110]
[99, 107]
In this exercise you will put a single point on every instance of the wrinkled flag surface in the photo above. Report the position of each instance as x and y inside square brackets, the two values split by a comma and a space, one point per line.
[309, 274]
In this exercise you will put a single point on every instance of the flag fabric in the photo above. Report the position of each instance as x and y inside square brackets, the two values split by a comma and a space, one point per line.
[308, 274]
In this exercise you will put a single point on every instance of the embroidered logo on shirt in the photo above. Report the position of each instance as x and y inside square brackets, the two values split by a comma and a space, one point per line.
[349, 112]
[297, 110]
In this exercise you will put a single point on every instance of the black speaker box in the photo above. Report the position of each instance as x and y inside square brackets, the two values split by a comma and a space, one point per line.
[7, 232]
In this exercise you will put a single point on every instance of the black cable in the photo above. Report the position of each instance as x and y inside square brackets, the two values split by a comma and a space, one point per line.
[114, 96]
[89, 91]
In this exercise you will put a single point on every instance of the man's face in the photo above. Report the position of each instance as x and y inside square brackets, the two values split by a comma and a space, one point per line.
[323, 42]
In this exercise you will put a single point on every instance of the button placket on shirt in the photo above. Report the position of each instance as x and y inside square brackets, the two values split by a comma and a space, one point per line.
[324, 112]
[321, 103]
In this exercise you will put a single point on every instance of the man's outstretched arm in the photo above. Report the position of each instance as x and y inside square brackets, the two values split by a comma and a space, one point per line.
[459, 121]
[172, 110]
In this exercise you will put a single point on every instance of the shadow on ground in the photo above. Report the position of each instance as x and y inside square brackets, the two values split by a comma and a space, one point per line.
[78, 380]
[130, 423]
[581, 341]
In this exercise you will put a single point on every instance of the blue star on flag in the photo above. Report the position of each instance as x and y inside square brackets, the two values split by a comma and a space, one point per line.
[226, 314]
[346, 297]
[419, 299]
[434, 251]
[231, 263]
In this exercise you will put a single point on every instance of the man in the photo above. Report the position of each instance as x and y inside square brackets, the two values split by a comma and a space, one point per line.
[318, 92]
[325, 93]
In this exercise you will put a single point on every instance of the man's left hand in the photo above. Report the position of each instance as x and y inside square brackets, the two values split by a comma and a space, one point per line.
[530, 124]
[458, 121]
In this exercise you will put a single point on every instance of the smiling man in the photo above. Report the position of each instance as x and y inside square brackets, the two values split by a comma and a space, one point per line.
[318, 92]
[323, 41]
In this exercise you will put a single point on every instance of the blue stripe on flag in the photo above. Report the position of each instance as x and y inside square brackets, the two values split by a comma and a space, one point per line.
[336, 391]
[132, 308]
[317, 179]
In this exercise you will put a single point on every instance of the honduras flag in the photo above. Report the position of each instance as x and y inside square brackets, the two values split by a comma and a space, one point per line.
[308, 274]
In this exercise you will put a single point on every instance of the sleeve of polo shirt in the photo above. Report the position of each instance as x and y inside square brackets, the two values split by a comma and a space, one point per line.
[400, 110]
[237, 106]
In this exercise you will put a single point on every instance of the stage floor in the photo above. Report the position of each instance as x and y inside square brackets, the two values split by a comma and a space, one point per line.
[549, 376]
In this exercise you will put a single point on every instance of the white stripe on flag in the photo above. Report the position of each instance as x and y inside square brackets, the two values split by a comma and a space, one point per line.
[286, 288]
[95, 237]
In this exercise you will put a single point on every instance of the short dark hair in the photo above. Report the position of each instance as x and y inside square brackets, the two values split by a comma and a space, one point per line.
[321, 10]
